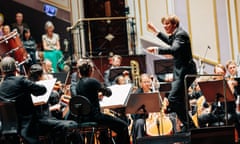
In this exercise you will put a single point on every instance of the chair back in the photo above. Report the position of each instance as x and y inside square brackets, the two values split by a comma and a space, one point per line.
[80, 106]
[8, 118]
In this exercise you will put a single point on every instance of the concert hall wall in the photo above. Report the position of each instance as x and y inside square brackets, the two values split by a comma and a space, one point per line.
[99, 29]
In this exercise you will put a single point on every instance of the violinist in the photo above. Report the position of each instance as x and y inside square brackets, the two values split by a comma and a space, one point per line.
[19, 89]
[47, 123]
[90, 88]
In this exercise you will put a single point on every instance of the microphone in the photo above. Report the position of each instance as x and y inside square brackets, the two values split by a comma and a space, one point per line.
[69, 28]
[201, 64]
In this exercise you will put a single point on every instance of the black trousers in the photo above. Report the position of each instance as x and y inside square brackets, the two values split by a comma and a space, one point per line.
[59, 130]
[177, 99]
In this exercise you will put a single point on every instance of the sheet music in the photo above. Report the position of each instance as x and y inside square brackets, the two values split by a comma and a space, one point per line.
[119, 95]
[42, 99]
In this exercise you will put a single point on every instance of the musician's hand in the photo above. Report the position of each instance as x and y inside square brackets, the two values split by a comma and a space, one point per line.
[125, 73]
[100, 96]
[55, 107]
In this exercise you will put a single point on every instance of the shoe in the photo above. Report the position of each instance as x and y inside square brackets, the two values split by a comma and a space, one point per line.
[168, 110]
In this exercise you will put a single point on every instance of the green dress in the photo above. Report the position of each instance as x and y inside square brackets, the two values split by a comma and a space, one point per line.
[54, 55]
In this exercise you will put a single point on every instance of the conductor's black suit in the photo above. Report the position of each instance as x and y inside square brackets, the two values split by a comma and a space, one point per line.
[180, 49]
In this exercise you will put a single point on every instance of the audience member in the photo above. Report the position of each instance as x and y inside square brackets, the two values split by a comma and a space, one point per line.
[1, 24]
[19, 24]
[29, 44]
[51, 46]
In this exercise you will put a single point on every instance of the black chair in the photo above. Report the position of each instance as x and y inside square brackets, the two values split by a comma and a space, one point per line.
[80, 106]
[8, 123]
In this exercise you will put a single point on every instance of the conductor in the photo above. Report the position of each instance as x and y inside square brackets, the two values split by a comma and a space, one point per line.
[180, 49]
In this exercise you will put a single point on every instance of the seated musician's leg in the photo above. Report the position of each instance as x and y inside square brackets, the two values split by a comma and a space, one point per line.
[115, 124]
[60, 129]
[138, 129]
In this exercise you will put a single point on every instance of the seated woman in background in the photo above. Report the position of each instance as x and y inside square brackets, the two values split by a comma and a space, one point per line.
[1, 24]
[51, 46]
[30, 45]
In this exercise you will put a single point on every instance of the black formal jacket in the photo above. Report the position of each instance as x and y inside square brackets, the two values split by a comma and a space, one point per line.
[180, 49]
[89, 88]
[19, 89]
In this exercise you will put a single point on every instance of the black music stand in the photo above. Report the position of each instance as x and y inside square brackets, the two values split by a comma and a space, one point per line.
[165, 86]
[237, 88]
[216, 89]
[163, 66]
[61, 76]
[114, 72]
[143, 103]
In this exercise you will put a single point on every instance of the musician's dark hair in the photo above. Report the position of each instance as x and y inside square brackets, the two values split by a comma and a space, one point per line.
[85, 67]
[36, 71]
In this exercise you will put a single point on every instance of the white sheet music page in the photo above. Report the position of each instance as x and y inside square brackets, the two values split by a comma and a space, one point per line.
[119, 95]
[42, 99]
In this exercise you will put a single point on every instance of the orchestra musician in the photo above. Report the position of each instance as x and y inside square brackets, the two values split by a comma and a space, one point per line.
[216, 113]
[19, 89]
[180, 49]
[90, 87]
[6, 30]
[48, 123]
[116, 62]
[139, 119]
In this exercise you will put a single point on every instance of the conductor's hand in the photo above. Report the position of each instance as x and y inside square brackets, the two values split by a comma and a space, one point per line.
[152, 50]
[152, 28]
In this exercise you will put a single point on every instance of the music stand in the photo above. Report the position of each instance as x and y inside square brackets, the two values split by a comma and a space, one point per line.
[216, 89]
[238, 86]
[61, 76]
[163, 66]
[165, 86]
[114, 72]
[143, 102]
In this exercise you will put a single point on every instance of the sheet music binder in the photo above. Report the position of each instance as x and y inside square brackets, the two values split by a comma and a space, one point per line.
[118, 99]
[42, 99]
[212, 88]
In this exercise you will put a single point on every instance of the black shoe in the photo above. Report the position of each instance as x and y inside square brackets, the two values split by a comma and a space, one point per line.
[168, 110]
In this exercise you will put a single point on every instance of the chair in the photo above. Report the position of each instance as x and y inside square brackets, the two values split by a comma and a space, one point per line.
[81, 106]
[8, 122]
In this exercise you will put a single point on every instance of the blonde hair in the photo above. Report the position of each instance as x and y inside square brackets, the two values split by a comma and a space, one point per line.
[173, 19]
[1, 17]
[230, 62]
[49, 24]
[221, 66]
